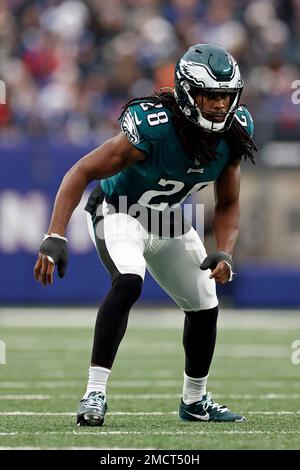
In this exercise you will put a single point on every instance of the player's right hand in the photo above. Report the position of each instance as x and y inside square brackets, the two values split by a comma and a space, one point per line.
[53, 252]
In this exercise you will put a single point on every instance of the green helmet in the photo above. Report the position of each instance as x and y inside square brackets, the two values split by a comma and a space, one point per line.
[208, 69]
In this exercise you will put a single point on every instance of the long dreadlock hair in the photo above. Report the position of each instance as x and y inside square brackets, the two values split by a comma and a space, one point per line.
[198, 143]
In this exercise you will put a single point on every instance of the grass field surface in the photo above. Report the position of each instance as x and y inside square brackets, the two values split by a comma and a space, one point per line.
[48, 354]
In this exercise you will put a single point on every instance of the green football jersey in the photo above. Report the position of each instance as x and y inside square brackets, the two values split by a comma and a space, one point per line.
[167, 176]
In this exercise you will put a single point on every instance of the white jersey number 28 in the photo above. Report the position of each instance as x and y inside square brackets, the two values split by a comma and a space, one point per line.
[145, 199]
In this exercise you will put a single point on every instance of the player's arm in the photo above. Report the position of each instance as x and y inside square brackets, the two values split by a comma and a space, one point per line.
[114, 155]
[227, 208]
[225, 223]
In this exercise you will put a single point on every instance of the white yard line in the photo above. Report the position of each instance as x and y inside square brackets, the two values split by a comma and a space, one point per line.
[25, 397]
[274, 413]
[232, 396]
[44, 384]
[223, 350]
[36, 413]
[161, 396]
[140, 433]
[57, 383]
[155, 317]
[137, 413]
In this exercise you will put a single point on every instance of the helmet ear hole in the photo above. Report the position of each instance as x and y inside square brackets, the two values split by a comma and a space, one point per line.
[185, 85]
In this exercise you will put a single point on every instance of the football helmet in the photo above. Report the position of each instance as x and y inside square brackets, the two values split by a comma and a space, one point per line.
[211, 70]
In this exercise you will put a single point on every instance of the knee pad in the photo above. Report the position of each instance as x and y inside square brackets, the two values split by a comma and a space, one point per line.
[128, 287]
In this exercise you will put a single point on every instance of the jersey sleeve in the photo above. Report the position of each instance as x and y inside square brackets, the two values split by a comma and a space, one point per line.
[144, 126]
[245, 119]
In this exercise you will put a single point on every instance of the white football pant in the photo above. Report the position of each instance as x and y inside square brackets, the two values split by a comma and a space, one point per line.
[124, 246]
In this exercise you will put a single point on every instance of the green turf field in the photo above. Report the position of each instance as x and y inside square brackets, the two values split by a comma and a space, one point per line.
[46, 371]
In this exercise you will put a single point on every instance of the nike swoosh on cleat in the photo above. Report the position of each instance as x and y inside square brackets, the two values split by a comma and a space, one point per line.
[201, 417]
[138, 122]
[240, 420]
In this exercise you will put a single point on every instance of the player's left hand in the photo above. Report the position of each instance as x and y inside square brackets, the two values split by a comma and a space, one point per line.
[221, 266]
[53, 252]
[222, 273]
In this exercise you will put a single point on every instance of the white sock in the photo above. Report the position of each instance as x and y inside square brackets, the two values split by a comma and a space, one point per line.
[193, 389]
[98, 377]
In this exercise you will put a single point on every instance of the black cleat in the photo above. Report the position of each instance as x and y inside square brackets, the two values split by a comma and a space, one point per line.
[91, 410]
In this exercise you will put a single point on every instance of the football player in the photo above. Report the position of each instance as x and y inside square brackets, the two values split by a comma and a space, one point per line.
[171, 144]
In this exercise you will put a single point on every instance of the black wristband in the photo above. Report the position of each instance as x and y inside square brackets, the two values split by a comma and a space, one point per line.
[211, 261]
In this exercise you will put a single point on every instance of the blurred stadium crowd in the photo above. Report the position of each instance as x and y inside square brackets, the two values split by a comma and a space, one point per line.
[69, 66]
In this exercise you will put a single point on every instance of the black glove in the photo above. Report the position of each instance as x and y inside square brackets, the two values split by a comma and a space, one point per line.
[56, 248]
[211, 261]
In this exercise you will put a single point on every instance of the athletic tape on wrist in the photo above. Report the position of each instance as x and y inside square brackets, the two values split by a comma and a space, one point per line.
[54, 235]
